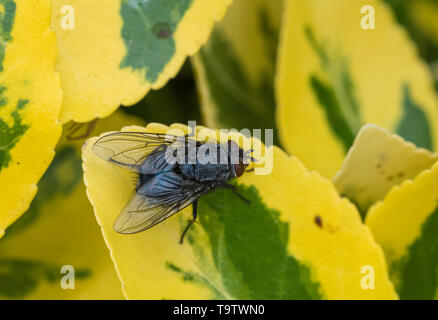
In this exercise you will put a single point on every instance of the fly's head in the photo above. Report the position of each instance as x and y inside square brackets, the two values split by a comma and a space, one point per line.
[238, 159]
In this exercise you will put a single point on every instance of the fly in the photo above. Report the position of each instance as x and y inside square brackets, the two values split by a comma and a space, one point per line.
[166, 187]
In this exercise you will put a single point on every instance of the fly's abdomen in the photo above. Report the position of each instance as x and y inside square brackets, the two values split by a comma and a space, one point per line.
[160, 186]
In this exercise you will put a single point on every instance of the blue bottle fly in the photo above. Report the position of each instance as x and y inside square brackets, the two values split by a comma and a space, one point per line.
[165, 185]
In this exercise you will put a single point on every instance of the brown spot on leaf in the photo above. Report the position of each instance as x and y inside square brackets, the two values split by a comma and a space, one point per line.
[318, 221]
[162, 30]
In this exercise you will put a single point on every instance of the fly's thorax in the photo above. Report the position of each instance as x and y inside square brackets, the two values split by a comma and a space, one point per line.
[211, 164]
[205, 173]
[211, 153]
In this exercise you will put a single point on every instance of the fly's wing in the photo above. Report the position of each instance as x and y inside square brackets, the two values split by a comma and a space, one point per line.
[155, 201]
[130, 150]
[140, 214]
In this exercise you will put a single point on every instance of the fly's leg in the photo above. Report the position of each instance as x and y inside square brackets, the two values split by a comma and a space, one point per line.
[194, 214]
[185, 231]
[233, 188]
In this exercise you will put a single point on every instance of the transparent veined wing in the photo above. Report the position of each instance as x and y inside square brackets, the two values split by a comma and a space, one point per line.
[130, 150]
[156, 200]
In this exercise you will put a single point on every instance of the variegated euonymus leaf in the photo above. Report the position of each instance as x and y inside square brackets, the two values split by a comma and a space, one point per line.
[59, 230]
[377, 162]
[337, 97]
[148, 39]
[394, 184]
[343, 76]
[296, 239]
[134, 46]
[410, 243]
[30, 103]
